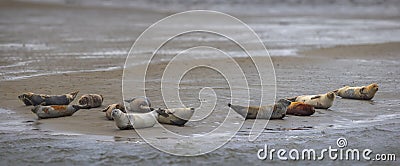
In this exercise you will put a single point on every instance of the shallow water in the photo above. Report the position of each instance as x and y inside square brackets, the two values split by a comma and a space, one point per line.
[34, 42]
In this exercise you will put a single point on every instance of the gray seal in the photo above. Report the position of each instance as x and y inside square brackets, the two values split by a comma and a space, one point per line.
[273, 111]
[54, 111]
[30, 98]
[126, 121]
[139, 104]
[176, 116]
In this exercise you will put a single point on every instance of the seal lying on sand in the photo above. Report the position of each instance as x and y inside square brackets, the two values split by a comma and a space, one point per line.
[360, 93]
[300, 109]
[139, 104]
[126, 121]
[88, 101]
[176, 116]
[111, 107]
[55, 111]
[277, 110]
[43, 99]
[323, 101]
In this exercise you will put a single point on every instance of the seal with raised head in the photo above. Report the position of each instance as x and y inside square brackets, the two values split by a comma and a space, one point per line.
[111, 107]
[322, 101]
[125, 121]
[277, 110]
[30, 98]
[300, 109]
[359, 93]
[139, 104]
[55, 111]
[176, 116]
[88, 101]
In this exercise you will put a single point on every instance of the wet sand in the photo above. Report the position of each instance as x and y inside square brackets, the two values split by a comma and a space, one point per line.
[315, 71]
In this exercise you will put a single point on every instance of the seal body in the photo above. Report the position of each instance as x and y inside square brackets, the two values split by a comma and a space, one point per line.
[322, 101]
[360, 93]
[176, 116]
[30, 98]
[300, 109]
[126, 121]
[273, 111]
[88, 101]
[139, 104]
[54, 111]
[109, 108]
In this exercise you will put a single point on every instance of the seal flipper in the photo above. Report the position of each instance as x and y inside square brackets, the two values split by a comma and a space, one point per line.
[78, 107]
[239, 109]
[105, 109]
[162, 112]
[315, 97]
[129, 100]
[180, 123]
[292, 99]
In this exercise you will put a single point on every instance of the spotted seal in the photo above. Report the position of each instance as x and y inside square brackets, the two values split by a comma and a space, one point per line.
[30, 98]
[55, 111]
[109, 108]
[322, 101]
[360, 93]
[273, 111]
[88, 101]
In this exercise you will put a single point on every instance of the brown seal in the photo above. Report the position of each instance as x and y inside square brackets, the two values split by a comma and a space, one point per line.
[88, 101]
[274, 111]
[300, 109]
[111, 107]
[55, 111]
[360, 93]
[30, 98]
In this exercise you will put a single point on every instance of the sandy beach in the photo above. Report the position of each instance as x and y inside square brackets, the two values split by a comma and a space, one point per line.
[88, 137]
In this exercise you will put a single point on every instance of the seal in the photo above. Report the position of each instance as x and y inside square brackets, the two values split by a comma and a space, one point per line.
[176, 116]
[30, 98]
[125, 121]
[88, 101]
[360, 93]
[139, 104]
[54, 111]
[322, 101]
[300, 109]
[277, 110]
[109, 108]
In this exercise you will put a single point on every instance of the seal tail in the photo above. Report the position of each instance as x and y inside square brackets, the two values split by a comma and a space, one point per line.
[239, 109]
[129, 100]
[336, 92]
[292, 99]
[73, 94]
